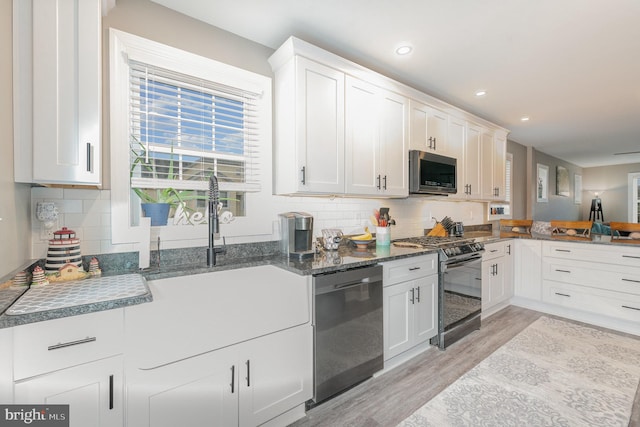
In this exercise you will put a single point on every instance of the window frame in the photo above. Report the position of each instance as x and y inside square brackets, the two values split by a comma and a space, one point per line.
[633, 183]
[125, 46]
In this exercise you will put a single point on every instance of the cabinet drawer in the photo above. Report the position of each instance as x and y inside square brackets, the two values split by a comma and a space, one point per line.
[493, 250]
[598, 301]
[408, 269]
[600, 253]
[56, 344]
[611, 277]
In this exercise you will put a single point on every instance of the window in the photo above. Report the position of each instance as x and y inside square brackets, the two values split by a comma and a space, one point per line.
[185, 129]
[177, 118]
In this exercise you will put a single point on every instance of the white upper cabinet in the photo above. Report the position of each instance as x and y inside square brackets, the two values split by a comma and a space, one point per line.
[309, 143]
[487, 150]
[500, 165]
[428, 129]
[494, 158]
[472, 154]
[456, 138]
[376, 134]
[344, 129]
[57, 91]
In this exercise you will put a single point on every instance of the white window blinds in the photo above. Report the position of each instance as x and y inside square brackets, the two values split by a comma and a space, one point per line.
[183, 129]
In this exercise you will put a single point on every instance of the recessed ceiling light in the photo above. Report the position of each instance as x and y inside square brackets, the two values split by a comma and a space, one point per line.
[481, 93]
[524, 119]
[404, 50]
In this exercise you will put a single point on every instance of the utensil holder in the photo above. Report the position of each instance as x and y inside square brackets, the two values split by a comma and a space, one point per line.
[383, 236]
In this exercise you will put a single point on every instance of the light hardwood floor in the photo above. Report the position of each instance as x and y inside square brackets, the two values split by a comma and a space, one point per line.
[390, 398]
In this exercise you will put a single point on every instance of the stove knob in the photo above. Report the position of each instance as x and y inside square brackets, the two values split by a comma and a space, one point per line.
[447, 251]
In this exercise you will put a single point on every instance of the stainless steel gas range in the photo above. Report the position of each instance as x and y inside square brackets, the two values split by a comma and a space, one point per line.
[459, 287]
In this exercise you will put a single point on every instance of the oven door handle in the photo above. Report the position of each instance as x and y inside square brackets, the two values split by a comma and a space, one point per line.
[463, 262]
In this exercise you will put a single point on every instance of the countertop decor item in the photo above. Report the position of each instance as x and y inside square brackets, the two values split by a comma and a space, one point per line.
[39, 278]
[21, 280]
[64, 250]
[94, 267]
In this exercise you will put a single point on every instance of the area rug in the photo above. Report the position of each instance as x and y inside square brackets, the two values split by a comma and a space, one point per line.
[554, 373]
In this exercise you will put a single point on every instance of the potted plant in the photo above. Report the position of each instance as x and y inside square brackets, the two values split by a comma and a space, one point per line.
[157, 203]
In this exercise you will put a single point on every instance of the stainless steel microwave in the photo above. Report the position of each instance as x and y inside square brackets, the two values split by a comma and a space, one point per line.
[431, 173]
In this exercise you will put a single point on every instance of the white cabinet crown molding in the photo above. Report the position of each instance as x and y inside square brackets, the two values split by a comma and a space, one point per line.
[294, 46]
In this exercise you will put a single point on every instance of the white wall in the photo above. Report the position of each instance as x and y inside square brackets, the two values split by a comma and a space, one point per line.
[88, 213]
[611, 184]
[14, 204]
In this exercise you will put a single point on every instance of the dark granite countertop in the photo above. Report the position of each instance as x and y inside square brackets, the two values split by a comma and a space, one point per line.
[323, 262]
[9, 297]
[191, 261]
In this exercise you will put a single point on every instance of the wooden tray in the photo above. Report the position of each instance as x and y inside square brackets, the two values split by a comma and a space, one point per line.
[621, 230]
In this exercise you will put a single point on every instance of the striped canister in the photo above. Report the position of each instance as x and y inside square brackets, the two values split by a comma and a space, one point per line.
[64, 249]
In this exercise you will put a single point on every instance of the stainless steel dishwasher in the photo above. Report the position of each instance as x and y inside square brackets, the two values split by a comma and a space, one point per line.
[348, 330]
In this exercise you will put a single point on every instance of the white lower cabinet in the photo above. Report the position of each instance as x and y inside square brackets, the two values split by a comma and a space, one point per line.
[6, 365]
[497, 276]
[410, 304]
[246, 384]
[229, 348]
[74, 360]
[93, 392]
[598, 279]
[528, 269]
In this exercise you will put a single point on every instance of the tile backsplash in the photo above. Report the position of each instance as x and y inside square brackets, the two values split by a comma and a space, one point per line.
[88, 213]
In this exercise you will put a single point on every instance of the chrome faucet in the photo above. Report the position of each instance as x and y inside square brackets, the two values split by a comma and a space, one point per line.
[214, 223]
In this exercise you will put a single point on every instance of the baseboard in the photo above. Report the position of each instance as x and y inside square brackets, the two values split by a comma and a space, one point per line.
[398, 360]
[289, 417]
[619, 325]
[493, 310]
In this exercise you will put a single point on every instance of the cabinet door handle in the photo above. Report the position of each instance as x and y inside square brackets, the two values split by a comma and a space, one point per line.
[563, 271]
[414, 268]
[248, 373]
[630, 256]
[233, 378]
[631, 280]
[631, 308]
[508, 249]
[304, 175]
[563, 295]
[378, 178]
[385, 182]
[418, 294]
[71, 343]
[435, 142]
[413, 294]
[493, 250]
[496, 269]
[562, 250]
[110, 391]
[89, 158]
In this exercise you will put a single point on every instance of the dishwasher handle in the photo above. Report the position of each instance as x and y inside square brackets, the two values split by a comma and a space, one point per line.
[346, 279]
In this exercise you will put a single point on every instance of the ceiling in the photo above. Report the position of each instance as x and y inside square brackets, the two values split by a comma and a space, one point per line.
[571, 66]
